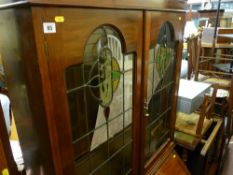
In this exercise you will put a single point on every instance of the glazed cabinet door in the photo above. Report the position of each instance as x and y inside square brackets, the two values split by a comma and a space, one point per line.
[94, 68]
[163, 32]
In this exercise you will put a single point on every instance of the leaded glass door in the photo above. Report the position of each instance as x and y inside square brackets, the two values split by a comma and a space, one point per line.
[94, 78]
[160, 80]
[100, 98]
[160, 83]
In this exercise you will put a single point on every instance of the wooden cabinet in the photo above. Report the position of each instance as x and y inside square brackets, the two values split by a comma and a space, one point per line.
[93, 85]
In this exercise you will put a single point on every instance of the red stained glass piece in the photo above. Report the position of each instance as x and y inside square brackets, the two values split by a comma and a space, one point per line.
[106, 112]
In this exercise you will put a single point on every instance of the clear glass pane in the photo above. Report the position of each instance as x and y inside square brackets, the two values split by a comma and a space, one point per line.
[116, 143]
[128, 62]
[128, 134]
[127, 158]
[98, 156]
[103, 169]
[116, 126]
[152, 56]
[128, 89]
[100, 136]
[128, 118]
[83, 167]
[153, 79]
[117, 164]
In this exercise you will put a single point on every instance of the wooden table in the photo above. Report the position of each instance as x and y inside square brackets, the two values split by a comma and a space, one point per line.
[191, 95]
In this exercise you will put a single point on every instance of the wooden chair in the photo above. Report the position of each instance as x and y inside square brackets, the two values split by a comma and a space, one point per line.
[190, 128]
[207, 69]
[204, 68]
[192, 48]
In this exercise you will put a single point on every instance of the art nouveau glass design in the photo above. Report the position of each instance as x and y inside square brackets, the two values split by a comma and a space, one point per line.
[100, 96]
[159, 90]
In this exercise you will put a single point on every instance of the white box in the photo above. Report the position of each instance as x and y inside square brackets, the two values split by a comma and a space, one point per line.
[191, 95]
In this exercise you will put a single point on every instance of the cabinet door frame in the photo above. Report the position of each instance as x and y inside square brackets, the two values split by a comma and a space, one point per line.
[128, 22]
[153, 21]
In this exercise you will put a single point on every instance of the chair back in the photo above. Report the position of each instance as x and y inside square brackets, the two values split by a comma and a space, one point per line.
[207, 109]
[193, 53]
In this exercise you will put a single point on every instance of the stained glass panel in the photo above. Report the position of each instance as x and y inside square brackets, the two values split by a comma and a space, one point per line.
[100, 98]
[160, 83]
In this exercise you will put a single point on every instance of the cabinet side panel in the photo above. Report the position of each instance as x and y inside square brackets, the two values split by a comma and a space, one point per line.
[17, 48]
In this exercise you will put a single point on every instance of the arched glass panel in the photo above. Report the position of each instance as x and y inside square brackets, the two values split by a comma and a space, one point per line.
[100, 95]
[159, 90]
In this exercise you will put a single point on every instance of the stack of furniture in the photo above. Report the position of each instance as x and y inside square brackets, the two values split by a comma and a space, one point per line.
[211, 69]
[191, 126]
[208, 69]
